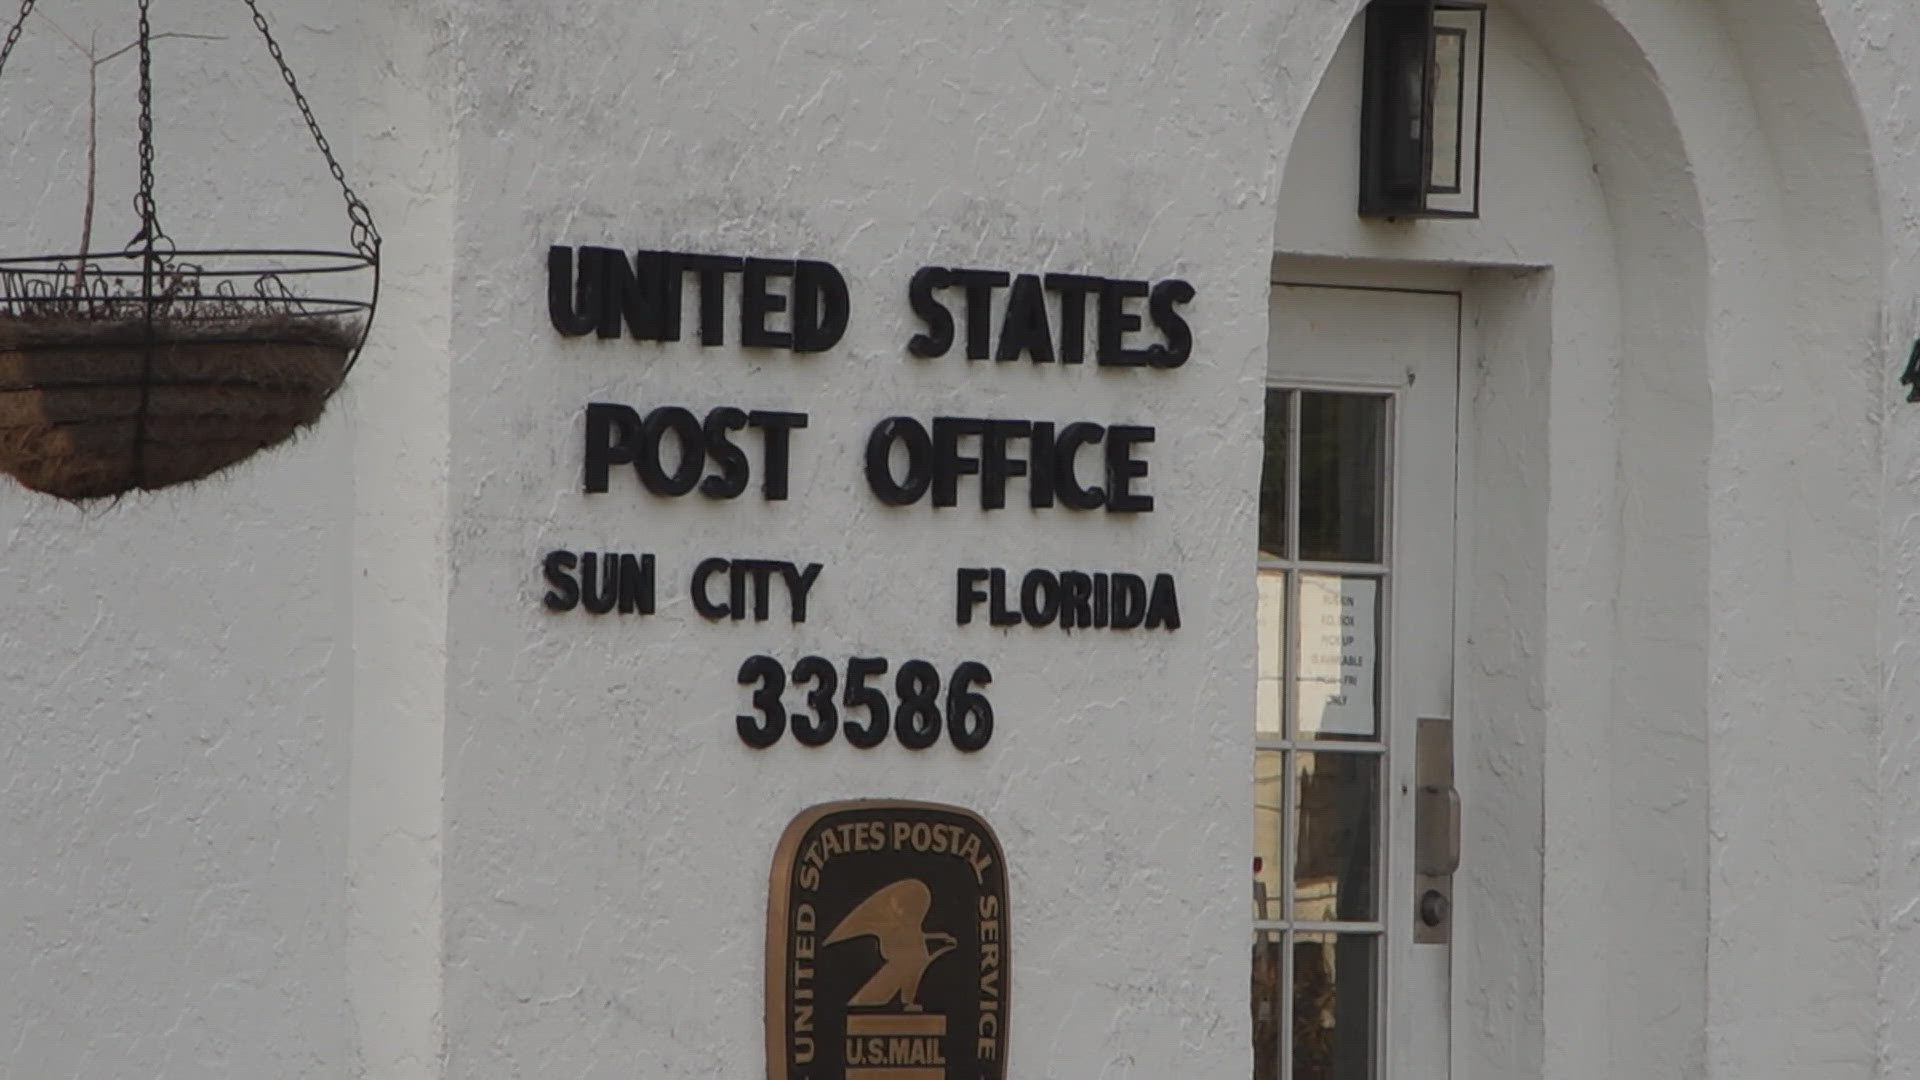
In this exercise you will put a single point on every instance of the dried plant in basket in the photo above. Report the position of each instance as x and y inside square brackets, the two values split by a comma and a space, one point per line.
[150, 367]
[95, 401]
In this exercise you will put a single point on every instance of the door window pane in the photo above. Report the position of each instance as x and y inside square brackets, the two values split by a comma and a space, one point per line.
[1269, 1004]
[1336, 674]
[1273, 477]
[1271, 640]
[1343, 457]
[1269, 809]
[1318, 863]
[1336, 800]
[1334, 999]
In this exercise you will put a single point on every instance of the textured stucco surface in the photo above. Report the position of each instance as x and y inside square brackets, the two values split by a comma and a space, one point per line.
[176, 669]
[1878, 43]
[608, 836]
[299, 778]
[1704, 671]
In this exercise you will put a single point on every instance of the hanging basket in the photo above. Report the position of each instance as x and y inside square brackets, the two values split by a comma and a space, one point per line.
[97, 400]
[148, 368]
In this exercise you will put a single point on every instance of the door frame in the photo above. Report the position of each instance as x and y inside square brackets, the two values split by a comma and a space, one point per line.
[1394, 1055]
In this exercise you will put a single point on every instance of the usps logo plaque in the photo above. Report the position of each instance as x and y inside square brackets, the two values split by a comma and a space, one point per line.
[887, 946]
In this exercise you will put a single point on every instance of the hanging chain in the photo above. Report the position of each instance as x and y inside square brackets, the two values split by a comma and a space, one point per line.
[152, 263]
[13, 33]
[366, 238]
[150, 235]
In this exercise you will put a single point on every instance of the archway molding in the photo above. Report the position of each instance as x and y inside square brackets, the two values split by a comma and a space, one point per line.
[1657, 749]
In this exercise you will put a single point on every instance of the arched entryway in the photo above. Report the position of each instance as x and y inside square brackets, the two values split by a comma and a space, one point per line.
[1667, 460]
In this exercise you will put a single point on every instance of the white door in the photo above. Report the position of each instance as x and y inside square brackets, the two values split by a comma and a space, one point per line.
[1356, 607]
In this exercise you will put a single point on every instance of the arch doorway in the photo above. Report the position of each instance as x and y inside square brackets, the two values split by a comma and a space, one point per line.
[1645, 309]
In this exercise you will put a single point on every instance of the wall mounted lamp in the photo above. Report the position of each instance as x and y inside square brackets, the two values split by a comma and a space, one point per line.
[1420, 109]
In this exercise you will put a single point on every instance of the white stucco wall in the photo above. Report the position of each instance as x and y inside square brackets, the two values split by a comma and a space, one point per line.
[608, 835]
[177, 670]
[300, 778]
[1669, 699]
[1878, 43]
[1541, 379]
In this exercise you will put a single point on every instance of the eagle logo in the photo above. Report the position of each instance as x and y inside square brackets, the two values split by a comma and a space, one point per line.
[896, 915]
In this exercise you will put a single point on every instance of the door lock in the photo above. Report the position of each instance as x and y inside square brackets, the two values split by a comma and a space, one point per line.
[1436, 832]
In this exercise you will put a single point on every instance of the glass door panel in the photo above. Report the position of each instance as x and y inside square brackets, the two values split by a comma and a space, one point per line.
[1354, 641]
[1318, 787]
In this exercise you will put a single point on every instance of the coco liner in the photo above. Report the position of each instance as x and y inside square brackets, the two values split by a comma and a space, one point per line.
[155, 366]
[88, 410]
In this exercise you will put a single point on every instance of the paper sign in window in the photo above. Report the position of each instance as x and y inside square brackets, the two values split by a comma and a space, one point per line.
[1336, 659]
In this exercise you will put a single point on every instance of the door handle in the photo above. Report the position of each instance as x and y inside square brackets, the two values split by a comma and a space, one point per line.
[1436, 832]
[1437, 817]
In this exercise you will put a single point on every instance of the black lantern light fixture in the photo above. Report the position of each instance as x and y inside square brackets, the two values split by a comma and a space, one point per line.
[1420, 109]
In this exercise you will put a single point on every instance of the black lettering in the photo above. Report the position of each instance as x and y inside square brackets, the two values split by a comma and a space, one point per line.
[613, 435]
[1163, 610]
[760, 572]
[979, 286]
[967, 593]
[1123, 469]
[820, 306]
[636, 584]
[776, 429]
[1024, 330]
[603, 290]
[909, 433]
[799, 586]
[615, 277]
[995, 466]
[723, 452]
[938, 337]
[657, 273]
[1076, 600]
[573, 309]
[998, 613]
[636, 293]
[1065, 481]
[565, 594]
[1039, 598]
[1160, 307]
[599, 595]
[703, 603]
[712, 271]
[757, 302]
[1073, 290]
[693, 453]
[1102, 589]
[1040, 471]
[1129, 601]
[949, 464]
[1116, 322]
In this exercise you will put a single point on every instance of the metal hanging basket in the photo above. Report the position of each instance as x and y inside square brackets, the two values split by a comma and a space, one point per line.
[151, 367]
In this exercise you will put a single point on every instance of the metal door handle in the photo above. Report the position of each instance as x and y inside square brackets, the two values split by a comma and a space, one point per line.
[1437, 819]
[1436, 832]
